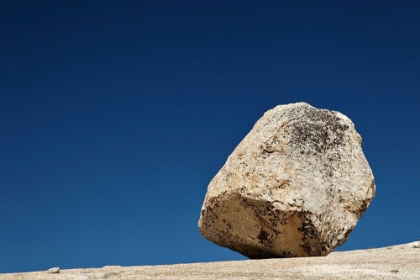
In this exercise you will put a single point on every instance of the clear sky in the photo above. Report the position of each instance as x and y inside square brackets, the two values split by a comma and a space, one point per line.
[115, 116]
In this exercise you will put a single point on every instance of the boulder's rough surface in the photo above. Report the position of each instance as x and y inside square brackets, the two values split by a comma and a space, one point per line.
[295, 186]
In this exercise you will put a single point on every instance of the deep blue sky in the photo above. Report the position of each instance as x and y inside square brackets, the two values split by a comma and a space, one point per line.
[115, 116]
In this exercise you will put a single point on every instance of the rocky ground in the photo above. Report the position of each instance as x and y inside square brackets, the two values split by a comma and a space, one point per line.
[395, 262]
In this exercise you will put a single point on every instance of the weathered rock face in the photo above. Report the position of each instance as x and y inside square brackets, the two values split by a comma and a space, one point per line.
[295, 186]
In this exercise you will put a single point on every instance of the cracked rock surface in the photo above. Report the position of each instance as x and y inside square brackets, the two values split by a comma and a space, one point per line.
[295, 186]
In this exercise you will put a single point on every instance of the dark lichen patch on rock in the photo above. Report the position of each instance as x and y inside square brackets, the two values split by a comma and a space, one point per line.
[321, 131]
[311, 242]
[308, 229]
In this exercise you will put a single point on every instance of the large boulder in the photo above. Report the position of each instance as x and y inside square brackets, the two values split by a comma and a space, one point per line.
[294, 187]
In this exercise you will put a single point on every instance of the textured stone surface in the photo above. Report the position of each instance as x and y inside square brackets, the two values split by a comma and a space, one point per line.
[295, 186]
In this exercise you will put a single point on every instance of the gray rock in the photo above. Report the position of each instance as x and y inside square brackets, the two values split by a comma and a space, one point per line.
[54, 270]
[295, 186]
